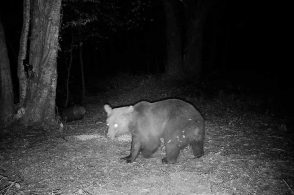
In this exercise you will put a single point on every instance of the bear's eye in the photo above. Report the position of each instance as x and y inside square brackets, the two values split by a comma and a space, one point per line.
[115, 125]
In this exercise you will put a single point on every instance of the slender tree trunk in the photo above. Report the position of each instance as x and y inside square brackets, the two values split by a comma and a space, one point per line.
[68, 72]
[82, 73]
[39, 103]
[193, 51]
[23, 52]
[174, 39]
[6, 88]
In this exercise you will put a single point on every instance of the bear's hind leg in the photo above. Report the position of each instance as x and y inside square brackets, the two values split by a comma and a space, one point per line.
[172, 153]
[197, 148]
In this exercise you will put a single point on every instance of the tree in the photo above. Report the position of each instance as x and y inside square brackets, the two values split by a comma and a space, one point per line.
[94, 24]
[173, 66]
[192, 52]
[37, 70]
[184, 31]
[196, 12]
[6, 88]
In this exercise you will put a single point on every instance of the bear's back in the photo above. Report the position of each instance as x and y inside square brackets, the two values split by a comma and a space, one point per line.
[151, 119]
[175, 108]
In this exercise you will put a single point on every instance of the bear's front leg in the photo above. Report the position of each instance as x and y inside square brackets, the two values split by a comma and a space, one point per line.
[172, 153]
[135, 149]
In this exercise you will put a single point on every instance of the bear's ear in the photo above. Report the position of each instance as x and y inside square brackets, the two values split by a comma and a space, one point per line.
[107, 109]
[131, 109]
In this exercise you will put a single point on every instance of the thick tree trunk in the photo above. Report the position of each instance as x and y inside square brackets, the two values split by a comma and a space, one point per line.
[6, 88]
[39, 103]
[174, 39]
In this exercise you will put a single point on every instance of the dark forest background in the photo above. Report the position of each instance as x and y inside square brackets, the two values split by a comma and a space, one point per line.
[240, 47]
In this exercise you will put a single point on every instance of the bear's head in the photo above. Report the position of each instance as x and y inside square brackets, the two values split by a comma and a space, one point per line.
[118, 120]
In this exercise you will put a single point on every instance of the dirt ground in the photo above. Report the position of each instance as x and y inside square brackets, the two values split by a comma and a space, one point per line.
[245, 153]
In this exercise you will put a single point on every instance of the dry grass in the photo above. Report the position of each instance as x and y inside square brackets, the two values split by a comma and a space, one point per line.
[245, 153]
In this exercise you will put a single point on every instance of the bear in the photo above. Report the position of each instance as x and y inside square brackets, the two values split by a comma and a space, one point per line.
[178, 122]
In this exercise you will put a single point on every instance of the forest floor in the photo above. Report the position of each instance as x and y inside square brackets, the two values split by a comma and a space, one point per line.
[246, 151]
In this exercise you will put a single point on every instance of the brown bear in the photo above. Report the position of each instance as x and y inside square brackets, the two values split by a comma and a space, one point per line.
[174, 120]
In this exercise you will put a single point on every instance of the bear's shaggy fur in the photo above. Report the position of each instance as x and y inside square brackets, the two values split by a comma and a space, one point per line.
[174, 120]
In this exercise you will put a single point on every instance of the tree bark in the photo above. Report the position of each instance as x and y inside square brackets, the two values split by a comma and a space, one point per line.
[39, 102]
[173, 39]
[6, 88]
